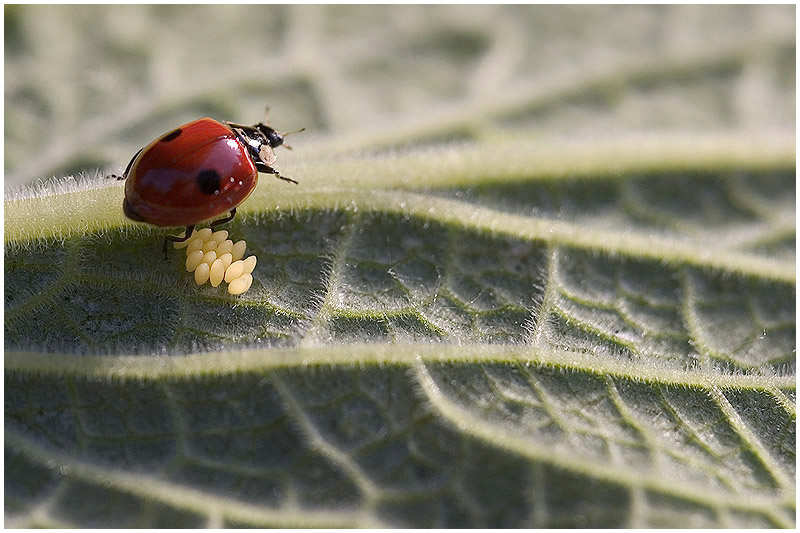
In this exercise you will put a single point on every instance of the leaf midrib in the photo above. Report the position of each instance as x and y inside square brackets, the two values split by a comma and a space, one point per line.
[468, 216]
[192, 366]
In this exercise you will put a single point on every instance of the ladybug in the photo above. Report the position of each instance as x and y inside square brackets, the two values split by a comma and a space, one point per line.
[197, 172]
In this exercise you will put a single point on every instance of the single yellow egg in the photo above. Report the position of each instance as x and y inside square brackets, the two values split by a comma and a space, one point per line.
[209, 257]
[240, 284]
[234, 271]
[225, 247]
[227, 259]
[219, 236]
[194, 259]
[201, 273]
[249, 264]
[216, 273]
[238, 250]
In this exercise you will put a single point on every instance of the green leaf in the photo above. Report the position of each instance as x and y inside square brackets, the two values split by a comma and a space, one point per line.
[517, 329]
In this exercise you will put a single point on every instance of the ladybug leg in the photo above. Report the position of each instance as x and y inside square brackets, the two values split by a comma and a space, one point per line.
[175, 238]
[224, 220]
[266, 169]
[127, 169]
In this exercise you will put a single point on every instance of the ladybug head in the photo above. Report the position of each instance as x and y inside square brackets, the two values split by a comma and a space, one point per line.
[274, 137]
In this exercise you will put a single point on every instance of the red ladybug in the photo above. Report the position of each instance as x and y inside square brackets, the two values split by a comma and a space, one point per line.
[198, 171]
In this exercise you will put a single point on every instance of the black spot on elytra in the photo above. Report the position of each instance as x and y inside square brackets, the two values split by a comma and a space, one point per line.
[172, 136]
[208, 181]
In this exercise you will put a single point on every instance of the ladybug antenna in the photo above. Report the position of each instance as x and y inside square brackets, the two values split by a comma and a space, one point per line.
[284, 134]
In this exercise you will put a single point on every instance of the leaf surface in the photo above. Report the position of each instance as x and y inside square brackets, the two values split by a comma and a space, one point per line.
[465, 315]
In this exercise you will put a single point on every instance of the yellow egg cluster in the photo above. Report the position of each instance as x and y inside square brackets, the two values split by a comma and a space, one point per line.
[213, 257]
